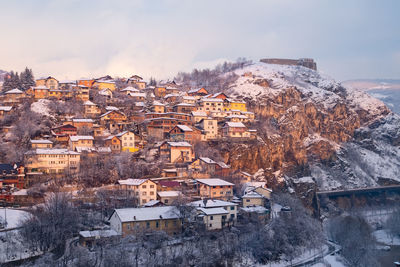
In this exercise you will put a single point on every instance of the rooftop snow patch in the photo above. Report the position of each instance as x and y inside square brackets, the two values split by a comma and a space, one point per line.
[214, 182]
[147, 214]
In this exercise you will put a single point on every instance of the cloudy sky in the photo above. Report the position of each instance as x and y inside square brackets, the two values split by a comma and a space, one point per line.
[83, 38]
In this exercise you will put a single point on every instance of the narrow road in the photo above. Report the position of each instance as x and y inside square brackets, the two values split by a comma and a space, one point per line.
[333, 248]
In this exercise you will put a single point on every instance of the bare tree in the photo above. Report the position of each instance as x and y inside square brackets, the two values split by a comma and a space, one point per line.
[393, 223]
[355, 237]
[52, 224]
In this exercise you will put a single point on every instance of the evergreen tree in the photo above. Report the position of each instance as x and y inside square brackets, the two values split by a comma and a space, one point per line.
[7, 83]
[27, 79]
[152, 82]
[15, 81]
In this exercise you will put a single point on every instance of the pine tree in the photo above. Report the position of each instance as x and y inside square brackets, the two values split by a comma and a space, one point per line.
[153, 82]
[15, 81]
[27, 79]
[7, 83]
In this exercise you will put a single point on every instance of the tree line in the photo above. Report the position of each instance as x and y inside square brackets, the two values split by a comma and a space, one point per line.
[22, 81]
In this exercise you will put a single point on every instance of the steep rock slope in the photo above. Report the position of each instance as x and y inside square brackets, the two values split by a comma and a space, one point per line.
[310, 125]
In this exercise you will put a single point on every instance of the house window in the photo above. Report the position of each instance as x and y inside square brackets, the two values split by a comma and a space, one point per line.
[232, 216]
[210, 224]
[148, 224]
[211, 218]
[166, 201]
[247, 200]
[128, 227]
[232, 207]
[152, 186]
[157, 224]
[143, 186]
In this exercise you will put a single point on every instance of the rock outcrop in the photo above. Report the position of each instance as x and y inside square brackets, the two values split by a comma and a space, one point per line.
[304, 120]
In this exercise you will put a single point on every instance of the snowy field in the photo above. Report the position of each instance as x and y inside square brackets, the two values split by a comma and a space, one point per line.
[13, 248]
[382, 236]
[14, 217]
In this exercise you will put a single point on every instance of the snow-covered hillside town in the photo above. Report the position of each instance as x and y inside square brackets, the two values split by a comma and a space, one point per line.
[199, 133]
[127, 158]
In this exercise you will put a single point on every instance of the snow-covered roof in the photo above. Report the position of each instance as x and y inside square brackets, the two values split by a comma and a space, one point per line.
[207, 160]
[5, 108]
[206, 99]
[195, 90]
[105, 92]
[171, 95]
[199, 114]
[132, 181]
[184, 105]
[82, 120]
[52, 151]
[130, 89]
[157, 103]
[184, 128]
[103, 149]
[151, 203]
[111, 108]
[223, 165]
[235, 124]
[255, 183]
[22, 192]
[236, 116]
[75, 138]
[252, 194]
[147, 214]
[14, 91]
[122, 133]
[41, 87]
[211, 203]
[169, 193]
[98, 233]
[137, 94]
[187, 97]
[105, 81]
[235, 101]
[105, 114]
[213, 211]
[67, 82]
[257, 209]
[186, 144]
[41, 141]
[89, 103]
[214, 182]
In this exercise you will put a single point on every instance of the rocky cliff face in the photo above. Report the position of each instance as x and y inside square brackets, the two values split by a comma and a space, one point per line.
[309, 125]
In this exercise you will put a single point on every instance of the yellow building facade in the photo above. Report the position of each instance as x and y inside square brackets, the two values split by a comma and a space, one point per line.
[52, 161]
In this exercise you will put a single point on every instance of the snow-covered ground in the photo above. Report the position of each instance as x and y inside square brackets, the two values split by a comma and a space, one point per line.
[331, 261]
[12, 247]
[303, 258]
[41, 107]
[320, 88]
[382, 236]
[14, 217]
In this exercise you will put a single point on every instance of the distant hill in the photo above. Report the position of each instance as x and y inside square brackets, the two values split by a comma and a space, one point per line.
[372, 84]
